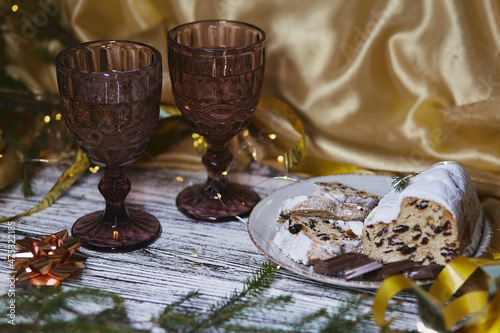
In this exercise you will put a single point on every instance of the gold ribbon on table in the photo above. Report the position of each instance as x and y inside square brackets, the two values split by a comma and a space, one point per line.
[477, 280]
[63, 183]
[494, 252]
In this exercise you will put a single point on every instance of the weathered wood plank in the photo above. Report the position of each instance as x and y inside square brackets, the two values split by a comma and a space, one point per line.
[214, 258]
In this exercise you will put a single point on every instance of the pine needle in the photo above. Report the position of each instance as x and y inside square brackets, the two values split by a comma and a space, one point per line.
[400, 183]
[309, 318]
[175, 305]
[62, 185]
[254, 286]
[44, 309]
[58, 309]
[228, 312]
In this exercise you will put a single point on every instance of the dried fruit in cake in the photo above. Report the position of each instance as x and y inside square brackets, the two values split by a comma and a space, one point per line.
[307, 239]
[320, 226]
[434, 219]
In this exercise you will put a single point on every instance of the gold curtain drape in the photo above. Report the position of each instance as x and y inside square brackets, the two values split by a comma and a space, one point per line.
[383, 85]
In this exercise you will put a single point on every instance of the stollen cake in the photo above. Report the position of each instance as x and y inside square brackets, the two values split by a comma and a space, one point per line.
[320, 226]
[435, 218]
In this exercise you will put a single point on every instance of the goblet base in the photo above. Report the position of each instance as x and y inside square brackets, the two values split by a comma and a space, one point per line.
[142, 229]
[200, 203]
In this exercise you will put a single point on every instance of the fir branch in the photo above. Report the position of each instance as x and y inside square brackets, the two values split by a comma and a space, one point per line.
[43, 310]
[174, 317]
[223, 313]
[308, 318]
[175, 305]
[63, 300]
[177, 322]
[254, 286]
[400, 183]
[59, 309]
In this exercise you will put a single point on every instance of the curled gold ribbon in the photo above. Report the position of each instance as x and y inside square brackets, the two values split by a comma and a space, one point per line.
[275, 136]
[494, 253]
[285, 116]
[482, 306]
[64, 182]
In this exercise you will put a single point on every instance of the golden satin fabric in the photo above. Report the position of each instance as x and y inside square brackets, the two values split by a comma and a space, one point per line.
[383, 85]
[380, 85]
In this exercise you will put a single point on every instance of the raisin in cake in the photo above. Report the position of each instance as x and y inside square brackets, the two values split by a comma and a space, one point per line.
[306, 239]
[434, 219]
[345, 194]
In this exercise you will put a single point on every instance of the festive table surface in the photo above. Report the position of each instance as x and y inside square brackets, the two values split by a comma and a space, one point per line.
[213, 258]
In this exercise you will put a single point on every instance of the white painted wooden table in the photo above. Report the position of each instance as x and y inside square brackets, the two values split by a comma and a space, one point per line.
[214, 258]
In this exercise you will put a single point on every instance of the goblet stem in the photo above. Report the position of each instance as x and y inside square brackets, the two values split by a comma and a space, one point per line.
[217, 160]
[116, 228]
[217, 200]
[115, 187]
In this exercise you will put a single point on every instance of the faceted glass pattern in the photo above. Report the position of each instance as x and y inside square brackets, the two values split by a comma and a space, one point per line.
[216, 69]
[110, 92]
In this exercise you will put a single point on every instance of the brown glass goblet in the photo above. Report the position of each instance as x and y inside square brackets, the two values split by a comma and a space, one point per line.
[216, 69]
[110, 92]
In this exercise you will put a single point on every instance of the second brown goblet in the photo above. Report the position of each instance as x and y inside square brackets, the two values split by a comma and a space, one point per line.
[216, 70]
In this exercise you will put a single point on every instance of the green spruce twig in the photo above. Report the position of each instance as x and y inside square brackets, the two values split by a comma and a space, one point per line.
[59, 309]
[302, 324]
[253, 288]
[45, 310]
[223, 314]
[400, 183]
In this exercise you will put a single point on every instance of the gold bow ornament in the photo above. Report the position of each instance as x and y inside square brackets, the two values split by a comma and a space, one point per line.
[47, 261]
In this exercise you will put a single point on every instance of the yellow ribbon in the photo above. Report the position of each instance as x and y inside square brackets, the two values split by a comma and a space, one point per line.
[436, 309]
[275, 135]
[284, 116]
[493, 253]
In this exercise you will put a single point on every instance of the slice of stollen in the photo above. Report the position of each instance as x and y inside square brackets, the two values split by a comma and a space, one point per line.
[307, 239]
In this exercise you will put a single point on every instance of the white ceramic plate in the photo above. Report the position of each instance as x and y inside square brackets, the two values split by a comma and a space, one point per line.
[262, 225]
